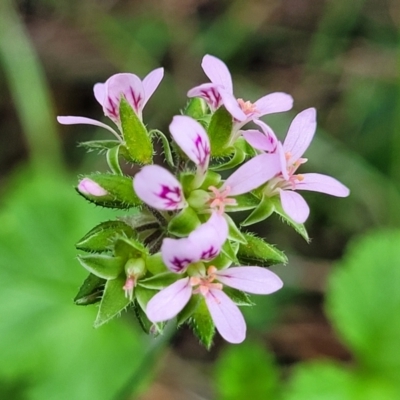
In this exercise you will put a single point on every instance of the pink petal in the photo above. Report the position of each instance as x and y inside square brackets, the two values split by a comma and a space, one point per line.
[217, 72]
[274, 103]
[177, 254]
[209, 237]
[127, 85]
[192, 139]
[151, 82]
[92, 188]
[282, 160]
[86, 121]
[294, 206]
[300, 134]
[167, 303]
[209, 92]
[226, 315]
[99, 91]
[158, 188]
[231, 104]
[322, 183]
[255, 280]
[253, 174]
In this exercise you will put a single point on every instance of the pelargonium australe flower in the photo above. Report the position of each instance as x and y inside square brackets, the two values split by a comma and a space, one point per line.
[158, 188]
[204, 244]
[298, 138]
[220, 91]
[136, 91]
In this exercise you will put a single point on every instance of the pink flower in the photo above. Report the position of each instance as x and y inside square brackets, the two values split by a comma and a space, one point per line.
[158, 188]
[204, 244]
[108, 94]
[299, 137]
[220, 91]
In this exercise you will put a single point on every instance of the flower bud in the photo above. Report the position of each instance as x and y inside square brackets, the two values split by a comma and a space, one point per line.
[88, 187]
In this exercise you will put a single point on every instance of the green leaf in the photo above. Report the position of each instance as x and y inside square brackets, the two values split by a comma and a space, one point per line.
[99, 145]
[144, 322]
[91, 291]
[119, 188]
[136, 137]
[247, 371]
[100, 238]
[264, 209]
[202, 324]
[363, 301]
[166, 146]
[159, 281]
[113, 160]
[299, 228]
[259, 252]
[219, 132]
[322, 380]
[234, 232]
[103, 266]
[238, 297]
[183, 223]
[113, 301]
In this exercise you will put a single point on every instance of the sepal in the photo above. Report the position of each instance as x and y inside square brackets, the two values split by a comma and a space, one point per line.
[238, 297]
[196, 108]
[103, 266]
[188, 310]
[234, 232]
[264, 209]
[101, 237]
[259, 252]
[183, 223]
[127, 248]
[118, 188]
[299, 228]
[166, 146]
[219, 132]
[112, 157]
[202, 324]
[136, 138]
[159, 281]
[101, 146]
[91, 291]
[113, 301]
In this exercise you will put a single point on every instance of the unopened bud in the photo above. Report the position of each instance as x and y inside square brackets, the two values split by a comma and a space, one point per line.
[91, 188]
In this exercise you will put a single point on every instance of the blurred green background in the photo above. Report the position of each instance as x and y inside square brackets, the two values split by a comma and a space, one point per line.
[339, 56]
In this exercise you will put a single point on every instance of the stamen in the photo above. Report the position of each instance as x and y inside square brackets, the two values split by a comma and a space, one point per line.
[247, 106]
[219, 199]
[129, 286]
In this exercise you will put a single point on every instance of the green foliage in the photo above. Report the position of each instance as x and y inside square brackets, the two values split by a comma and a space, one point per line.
[202, 324]
[364, 302]
[246, 371]
[183, 223]
[46, 340]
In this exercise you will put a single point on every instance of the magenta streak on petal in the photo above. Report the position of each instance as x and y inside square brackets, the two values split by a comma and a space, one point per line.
[212, 96]
[172, 196]
[203, 150]
[209, 254]
[113, 110]
[180, 264]
[136, 100]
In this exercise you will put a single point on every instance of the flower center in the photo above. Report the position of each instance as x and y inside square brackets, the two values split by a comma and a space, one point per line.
[219, 199]
[203, 284]
[247, 106]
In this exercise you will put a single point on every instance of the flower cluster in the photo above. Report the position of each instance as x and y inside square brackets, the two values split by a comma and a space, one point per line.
[179, 253]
